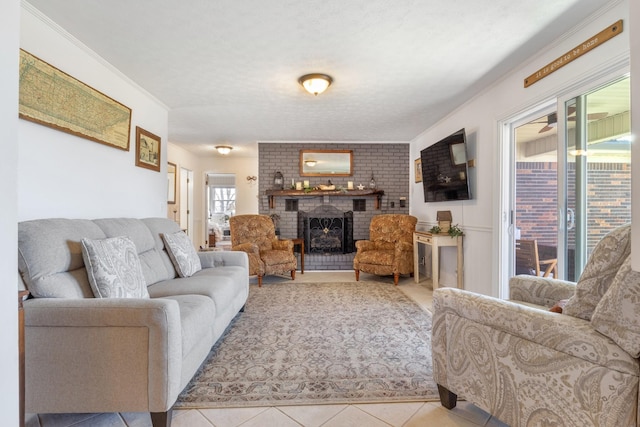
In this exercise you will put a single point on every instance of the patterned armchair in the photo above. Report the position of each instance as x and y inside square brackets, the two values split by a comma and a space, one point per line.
[530, 367]
[256, 235]
[389, 250]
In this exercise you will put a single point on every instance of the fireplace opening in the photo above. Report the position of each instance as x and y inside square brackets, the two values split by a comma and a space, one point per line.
[326, 230]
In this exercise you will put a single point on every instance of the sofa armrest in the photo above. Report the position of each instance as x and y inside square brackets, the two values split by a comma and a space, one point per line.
[250, 248]
[542, 291]
[570, 335]
[282, 245]
[119, 354]
[365, 245]
[210, 259]
[403, 247]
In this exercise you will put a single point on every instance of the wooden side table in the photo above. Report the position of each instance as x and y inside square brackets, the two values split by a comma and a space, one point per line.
[436, 241]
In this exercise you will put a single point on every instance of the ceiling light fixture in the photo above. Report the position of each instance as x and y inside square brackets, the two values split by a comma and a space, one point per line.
[310, 163]
[224, 149]
[315, 83]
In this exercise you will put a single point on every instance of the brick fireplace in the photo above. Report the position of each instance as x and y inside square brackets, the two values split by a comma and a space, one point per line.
[391, 168]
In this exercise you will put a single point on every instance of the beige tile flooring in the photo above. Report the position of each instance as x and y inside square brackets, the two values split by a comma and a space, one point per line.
[410, 414]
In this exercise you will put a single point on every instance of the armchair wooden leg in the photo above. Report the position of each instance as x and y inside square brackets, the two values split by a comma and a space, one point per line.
[396, 277]
[259, 281]
[293, 275]
[161, 419]
[357, 275]
[447, 398]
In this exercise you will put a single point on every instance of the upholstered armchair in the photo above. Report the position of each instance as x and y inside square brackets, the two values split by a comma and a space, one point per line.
[389, 250]
[256, 235]
[529, 366]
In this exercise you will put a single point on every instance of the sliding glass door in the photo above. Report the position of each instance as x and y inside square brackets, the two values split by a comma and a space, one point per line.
[598, 170]
[572, 183]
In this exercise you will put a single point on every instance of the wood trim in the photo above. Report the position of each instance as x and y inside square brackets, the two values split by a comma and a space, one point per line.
[575, 53]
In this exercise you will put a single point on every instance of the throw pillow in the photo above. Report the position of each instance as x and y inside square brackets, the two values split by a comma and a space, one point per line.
[182, 253]
[617, 315]
[598, 274]
[114, 268]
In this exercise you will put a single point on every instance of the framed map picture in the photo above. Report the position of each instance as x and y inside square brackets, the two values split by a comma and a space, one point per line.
[53, 98]
[147, 150]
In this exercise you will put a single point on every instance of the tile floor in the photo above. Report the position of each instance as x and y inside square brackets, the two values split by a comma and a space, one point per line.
[411, 414]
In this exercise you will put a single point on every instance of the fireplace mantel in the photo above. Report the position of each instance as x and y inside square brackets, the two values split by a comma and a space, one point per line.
[354, 194]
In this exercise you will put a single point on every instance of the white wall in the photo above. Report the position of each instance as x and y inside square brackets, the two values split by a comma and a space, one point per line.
[61, 175]
[480, 218]
[9, 43]
[246, 193]
[634, 17]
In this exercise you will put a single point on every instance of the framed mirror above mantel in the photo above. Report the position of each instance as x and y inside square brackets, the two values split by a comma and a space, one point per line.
[326, 162]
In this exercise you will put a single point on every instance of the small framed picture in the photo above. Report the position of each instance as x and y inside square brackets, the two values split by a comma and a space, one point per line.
[418, 170]
[147, 150]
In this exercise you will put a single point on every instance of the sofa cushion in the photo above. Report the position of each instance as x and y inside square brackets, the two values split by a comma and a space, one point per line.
[114, 268]
[182, 253]
[602, 267]
[159, 226]
[196, 315]
[616, 315]
[221, 284]
[50, 256]
[153, 267]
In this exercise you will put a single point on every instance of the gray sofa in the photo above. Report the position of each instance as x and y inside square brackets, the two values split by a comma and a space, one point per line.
[86, 354]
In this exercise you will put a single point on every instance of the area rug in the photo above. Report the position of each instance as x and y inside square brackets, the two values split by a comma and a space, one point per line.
[319, 343]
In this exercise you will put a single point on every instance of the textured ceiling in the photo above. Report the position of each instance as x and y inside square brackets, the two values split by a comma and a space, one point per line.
[228, 69]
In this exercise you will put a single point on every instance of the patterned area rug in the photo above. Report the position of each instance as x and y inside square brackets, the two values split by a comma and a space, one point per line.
[317, 343]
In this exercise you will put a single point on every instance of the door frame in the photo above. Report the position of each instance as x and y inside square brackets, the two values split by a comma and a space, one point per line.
[505, 235]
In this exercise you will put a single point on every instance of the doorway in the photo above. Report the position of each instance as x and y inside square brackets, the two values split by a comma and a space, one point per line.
[220, 206]
[571, 175]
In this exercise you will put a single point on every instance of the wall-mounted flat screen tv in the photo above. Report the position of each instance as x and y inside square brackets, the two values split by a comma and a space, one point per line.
[444, 169]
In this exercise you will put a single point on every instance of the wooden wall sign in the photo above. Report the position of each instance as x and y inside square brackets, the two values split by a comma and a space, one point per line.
[575, 53]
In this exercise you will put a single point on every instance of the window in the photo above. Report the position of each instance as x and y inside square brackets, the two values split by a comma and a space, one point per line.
[222, 197]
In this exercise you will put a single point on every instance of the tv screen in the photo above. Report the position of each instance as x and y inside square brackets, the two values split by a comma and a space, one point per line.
[444, 169]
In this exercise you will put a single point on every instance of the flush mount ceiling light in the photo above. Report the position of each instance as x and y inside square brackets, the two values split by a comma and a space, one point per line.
[315, 83]
[224, 149]
[310, 163]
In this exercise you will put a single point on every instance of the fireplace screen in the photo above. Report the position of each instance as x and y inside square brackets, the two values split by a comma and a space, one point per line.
[326, 230]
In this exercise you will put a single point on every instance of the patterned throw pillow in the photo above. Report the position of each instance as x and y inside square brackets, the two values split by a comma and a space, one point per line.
[182, 253]
[114, 268]
[618, 313]
[598, 274]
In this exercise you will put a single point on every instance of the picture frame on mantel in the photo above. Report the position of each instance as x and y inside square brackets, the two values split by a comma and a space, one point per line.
[147, 150]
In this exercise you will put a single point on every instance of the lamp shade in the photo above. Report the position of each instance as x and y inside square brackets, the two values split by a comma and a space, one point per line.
[315, 83]
[224, 149]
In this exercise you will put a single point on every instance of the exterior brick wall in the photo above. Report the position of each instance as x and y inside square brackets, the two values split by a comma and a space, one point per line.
[389, 163]
[608, 194]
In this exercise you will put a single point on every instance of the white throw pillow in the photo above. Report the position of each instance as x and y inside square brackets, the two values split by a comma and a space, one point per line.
[182, 253]
[114, 268]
